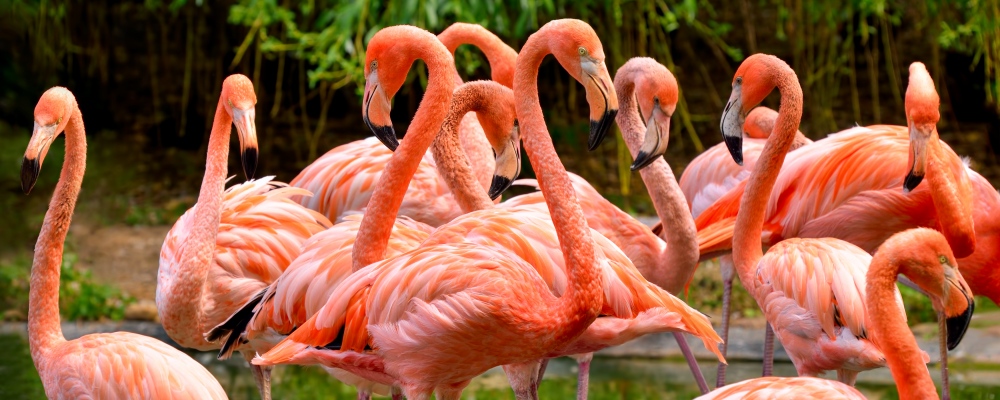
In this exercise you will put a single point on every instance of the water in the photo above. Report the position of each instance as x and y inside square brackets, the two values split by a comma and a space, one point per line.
[610, 378]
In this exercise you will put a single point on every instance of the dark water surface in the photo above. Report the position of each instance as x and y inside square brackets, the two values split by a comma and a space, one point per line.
[611, 378]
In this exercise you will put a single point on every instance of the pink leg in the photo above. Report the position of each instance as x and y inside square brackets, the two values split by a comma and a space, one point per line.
[396, 393]
[692, 362]
[364, 395]
[583, 376]
[942, 334]
[728, 270]
[768, 351]
[261, 375]
[847, 377]
[541, 373]
[523, 379]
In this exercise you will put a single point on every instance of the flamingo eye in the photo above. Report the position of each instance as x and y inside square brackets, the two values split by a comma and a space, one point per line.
[943, 259]
[374, 65]
[739, 80]
[582, 51]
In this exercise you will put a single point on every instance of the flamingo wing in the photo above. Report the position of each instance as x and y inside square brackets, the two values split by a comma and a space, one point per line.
[344, 179]
[714, 173]
[123, 365]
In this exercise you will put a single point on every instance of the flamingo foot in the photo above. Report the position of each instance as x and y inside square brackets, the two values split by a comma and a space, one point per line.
[728, 270]
[583, 376]
[768, 351]
[692, 362]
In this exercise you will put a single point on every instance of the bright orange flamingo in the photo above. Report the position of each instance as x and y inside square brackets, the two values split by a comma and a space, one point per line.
[298, 293]
[442, 314]
[869, 203]
[924, 256]
[344, 178]
[232, 243]
[117, 365]
[810, 289]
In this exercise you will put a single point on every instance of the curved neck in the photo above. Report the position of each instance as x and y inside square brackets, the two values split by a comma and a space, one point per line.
[376, 226]
[578, 306]
[182, 314]
[902, 353]
[500, 56]
[951, 192]
[44, 331]
[676, 264]
[452, 162]
[750, 221]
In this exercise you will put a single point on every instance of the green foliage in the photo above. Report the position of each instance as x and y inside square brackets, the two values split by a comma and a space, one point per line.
[80, 297]
[918, 307]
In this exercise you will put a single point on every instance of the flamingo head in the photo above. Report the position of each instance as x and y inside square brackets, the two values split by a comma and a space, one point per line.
[930, 264]
[753, 81]
[922, 115]
[52, 114]
[238, 99]
[579, 51]
[494, 107]
[388, 58]
[656, 92]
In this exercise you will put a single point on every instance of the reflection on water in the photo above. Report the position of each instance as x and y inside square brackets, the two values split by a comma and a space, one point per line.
[611, 378]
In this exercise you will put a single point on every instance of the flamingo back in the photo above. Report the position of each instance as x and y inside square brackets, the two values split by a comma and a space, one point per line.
[773, 387]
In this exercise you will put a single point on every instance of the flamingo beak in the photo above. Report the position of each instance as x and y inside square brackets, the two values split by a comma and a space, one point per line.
[920, 136]
[246, 128]
[657, 136]
[508, 164]
[602, 98]
[375, 109]
[41, 138]
[960, 306]
[733, 119]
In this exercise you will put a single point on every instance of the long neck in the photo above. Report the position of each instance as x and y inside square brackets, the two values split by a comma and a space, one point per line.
[951, 191]
[500, 56]
[889, 328]
[750, 221]
[678, 261]
[373, 235]
[453, 163]
[182, 313]
[578, 306]
[44, 331]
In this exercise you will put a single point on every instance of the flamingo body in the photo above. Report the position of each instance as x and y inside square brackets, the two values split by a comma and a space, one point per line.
[784, 388]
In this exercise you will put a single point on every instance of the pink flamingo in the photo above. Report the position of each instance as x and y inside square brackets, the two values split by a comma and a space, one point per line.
[924, 256]
[708, 177]
[500, 56]
[477, 228]
[117, 365]
[344, 178]
[858, 163]
[232, 243]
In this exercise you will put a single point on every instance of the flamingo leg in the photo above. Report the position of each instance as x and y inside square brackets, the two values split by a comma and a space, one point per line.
[364, 395]
[583, 376]
[768, 351]
[846, 376]
[692, 362]
[541, 372]
[523, 379]
[396, 393]
[261, 375]
[942, 343]
[728, 270]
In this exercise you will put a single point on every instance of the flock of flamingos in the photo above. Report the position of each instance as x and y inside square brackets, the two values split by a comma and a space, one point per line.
[399, 273]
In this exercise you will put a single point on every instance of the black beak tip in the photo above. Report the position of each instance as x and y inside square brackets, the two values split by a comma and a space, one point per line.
[384, 134]
[958, 325]
[911, 181]
[642, 161]
[499, 185]
[29, 174]
[249, 157]
[735, 146]
[599, 129]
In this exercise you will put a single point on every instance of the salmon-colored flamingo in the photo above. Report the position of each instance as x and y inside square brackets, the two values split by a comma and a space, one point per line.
[344, 178]
[667, 264]
[811, 290]
[924, 256]
[842, 186]
[442, 314]
[117, 365]
[232, 243]
[709, 176]
[298, 293]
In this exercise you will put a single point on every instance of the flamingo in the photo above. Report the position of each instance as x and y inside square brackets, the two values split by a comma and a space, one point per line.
[343, 179]
[868, 203]
[490, 229]
[117, 365]
[298, 294]
[232, 243]
[667, 264]
[706, 179]
[925, 257]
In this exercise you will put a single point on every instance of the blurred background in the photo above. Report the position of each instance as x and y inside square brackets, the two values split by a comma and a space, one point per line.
[147, 76]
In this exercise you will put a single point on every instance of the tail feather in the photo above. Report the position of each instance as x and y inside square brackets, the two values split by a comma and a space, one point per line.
[234, 327]
[717, 237]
